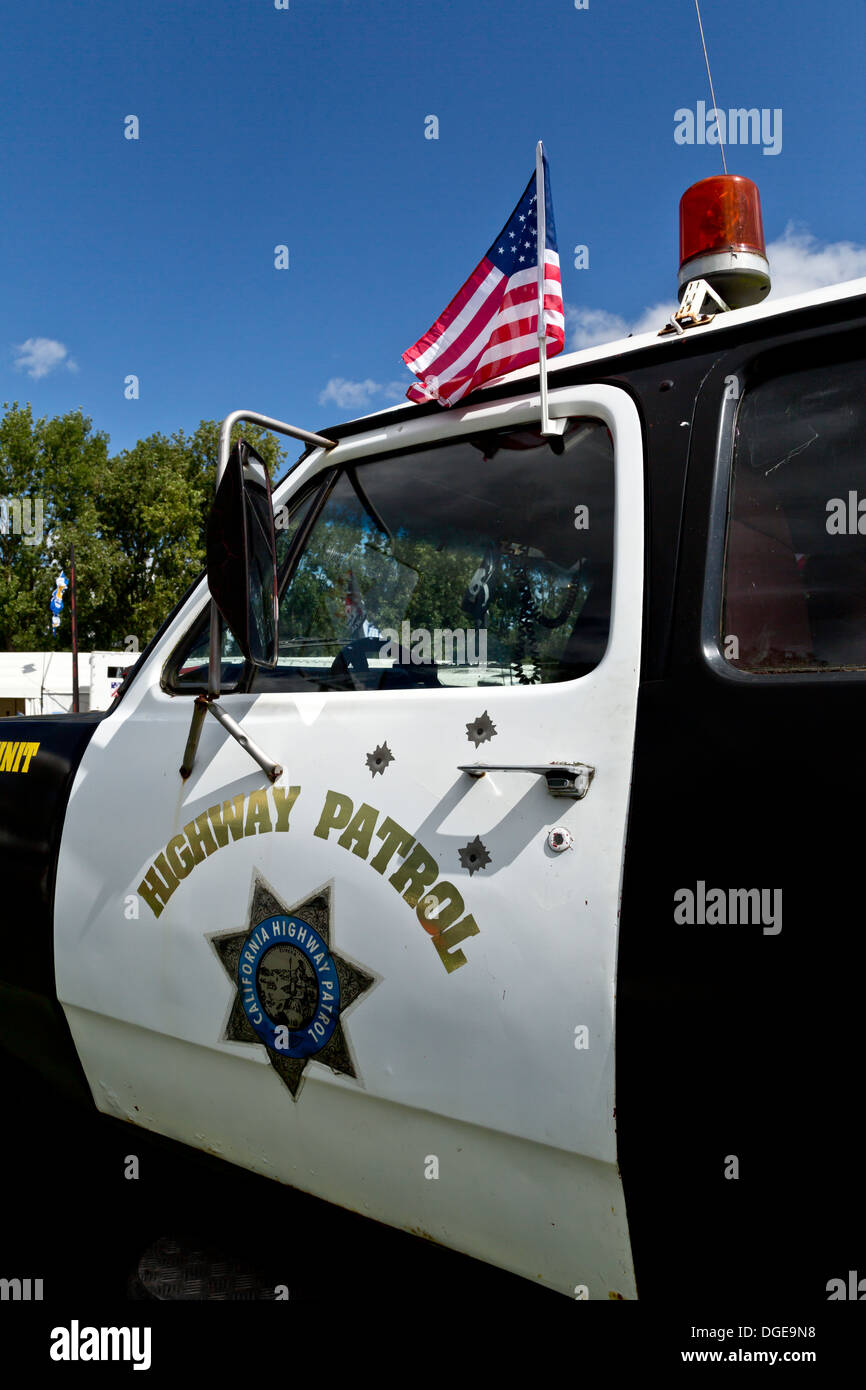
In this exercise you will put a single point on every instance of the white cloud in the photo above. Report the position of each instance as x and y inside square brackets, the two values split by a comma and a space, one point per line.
[396, 390]
[354, 395]
[588, 327]
[39, 356]
[798, 263]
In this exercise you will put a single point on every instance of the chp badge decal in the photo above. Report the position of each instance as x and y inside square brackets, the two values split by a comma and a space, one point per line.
[291, 986]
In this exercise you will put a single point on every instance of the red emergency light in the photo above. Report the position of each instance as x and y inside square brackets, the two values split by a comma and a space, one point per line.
[722, 239]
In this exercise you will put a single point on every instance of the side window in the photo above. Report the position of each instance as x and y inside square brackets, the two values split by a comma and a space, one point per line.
[190, 674]
[794, 593]
[485, 561]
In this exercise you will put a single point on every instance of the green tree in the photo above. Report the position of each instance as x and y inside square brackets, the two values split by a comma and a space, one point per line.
[136, 519]
[57, 468]
[155, 506]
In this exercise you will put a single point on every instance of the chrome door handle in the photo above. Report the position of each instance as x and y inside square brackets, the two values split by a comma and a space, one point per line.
[563, 779]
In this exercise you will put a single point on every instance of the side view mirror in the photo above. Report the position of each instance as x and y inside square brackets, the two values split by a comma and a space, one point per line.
[242, 573]
[242, 557]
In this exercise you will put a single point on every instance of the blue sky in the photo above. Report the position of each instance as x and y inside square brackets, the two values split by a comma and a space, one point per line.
[305, 127]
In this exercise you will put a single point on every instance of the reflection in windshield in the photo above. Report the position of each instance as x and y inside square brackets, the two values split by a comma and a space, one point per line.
[477, 562]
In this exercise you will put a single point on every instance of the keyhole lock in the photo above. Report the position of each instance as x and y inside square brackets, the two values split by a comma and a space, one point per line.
[560, 839]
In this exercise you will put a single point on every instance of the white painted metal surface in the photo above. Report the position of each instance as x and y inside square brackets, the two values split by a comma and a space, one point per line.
[480, 1066]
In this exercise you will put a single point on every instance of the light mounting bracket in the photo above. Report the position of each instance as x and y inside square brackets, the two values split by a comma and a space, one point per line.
[691, 313]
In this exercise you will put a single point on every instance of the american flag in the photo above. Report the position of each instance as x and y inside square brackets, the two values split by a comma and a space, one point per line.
[491, 325]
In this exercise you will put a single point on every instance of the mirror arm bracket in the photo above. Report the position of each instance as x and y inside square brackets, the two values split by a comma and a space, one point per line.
[203, 704]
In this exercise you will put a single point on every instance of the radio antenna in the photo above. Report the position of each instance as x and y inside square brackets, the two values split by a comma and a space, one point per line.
[710, 76]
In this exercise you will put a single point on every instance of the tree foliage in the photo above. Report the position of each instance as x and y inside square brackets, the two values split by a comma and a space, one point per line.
[136, 520]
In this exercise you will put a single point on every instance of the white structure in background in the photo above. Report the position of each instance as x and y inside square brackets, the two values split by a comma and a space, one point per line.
[41, 682]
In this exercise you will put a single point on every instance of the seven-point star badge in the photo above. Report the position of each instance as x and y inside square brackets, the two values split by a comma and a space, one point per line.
[291, 987]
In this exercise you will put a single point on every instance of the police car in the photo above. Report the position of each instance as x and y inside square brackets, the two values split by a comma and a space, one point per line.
[477, 844]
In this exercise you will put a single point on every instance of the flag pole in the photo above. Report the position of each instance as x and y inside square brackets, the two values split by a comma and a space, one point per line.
[541, 225]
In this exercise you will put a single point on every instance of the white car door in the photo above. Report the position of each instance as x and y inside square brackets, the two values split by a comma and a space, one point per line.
[383, 979]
